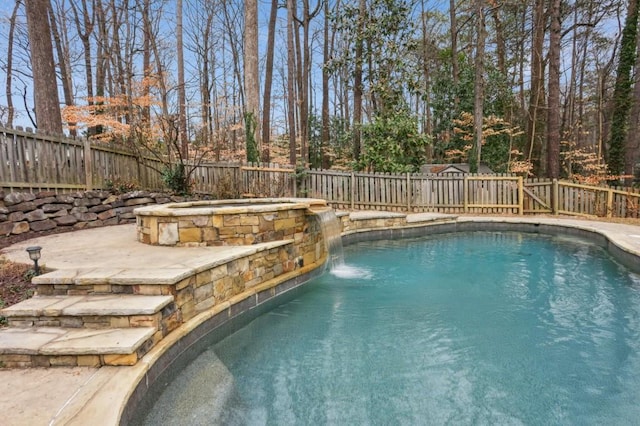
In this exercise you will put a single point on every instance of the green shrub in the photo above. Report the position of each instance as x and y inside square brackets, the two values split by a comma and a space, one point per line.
[176, 179]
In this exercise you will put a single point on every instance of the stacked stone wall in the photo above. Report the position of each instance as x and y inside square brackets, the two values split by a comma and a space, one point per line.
[232, 229]
[23, 212]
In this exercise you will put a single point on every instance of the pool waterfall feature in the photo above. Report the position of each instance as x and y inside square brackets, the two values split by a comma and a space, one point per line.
[226, 222]
[332, 231]
[286, 234]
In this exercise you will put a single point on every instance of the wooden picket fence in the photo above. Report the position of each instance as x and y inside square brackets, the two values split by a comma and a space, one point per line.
[477, 194]
[417, 192]
[40, 163]
[32, 162]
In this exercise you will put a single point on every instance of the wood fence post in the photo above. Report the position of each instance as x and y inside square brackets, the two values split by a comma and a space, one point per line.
[353, 191]
[555, 197]
[520, 195]
[88, 165]
[465, 194]
[609, 202]
[294, 177]
[409, 192]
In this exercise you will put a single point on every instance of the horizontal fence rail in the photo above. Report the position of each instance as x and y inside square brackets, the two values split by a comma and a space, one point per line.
[33, 162]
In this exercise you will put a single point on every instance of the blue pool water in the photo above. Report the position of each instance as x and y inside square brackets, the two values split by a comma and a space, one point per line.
[468, 328]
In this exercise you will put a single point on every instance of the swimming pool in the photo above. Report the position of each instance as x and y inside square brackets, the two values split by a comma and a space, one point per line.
[473, 327]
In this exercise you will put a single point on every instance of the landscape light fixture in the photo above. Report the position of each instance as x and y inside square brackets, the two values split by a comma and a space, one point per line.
[34, 254]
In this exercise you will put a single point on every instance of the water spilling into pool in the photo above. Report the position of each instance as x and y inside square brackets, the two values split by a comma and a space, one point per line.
[473, 328]
[331, 230]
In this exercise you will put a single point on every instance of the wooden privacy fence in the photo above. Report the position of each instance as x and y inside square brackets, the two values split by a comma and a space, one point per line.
[559, 197]
[479, 194]
[417, 192]
[34, 162]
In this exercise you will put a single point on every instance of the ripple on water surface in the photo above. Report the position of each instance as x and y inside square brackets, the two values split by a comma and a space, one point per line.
[471, 328]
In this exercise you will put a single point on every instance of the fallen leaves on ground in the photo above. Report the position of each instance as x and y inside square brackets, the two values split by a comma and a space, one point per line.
[15, 282]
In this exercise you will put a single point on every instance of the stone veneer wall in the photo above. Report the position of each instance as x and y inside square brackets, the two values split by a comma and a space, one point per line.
[348, 225]
[233, 229]
[22, 212]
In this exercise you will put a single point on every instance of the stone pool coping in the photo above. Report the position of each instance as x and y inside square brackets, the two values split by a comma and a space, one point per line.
[80, 395]
[246, 205]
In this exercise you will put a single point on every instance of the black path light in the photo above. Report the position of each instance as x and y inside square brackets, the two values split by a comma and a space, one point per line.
[34, 254]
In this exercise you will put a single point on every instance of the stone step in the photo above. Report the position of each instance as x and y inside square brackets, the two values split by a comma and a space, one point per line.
[94, 311]
[53, 346]
[73, 282]
[91, 305]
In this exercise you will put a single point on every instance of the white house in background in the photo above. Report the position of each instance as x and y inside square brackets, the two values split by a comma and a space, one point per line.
[453, 169]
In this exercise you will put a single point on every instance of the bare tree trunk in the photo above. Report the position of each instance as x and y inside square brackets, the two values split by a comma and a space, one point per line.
[45, 86]
[101, 60]
[84, 28]
[251, 74]
[305, 72]
[290, 83]
[500, 41]
[521, 51]
[162, 83]
[182, 98]
[63, 65]
[146, 60]
[568, 111]
[553, 112]
[427, 128]
[478, 107]
[268, 82]
[357, 81]
[537, 85]
[8, 87]
[455, 73]
[233, 45]
[326, 57]
[603, 125]
[301, 121]
[324, 138]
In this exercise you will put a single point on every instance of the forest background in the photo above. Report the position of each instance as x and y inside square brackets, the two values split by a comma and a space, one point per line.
[537, 87]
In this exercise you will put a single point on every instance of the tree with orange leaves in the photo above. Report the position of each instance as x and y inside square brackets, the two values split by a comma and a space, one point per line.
[125, 121]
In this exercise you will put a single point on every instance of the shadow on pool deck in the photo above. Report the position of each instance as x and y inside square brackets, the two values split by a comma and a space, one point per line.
[83, 395]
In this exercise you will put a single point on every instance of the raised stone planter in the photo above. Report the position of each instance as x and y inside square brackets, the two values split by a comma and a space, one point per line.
[228, 222]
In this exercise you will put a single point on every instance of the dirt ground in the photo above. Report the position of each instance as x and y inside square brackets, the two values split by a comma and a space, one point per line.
[15, 285]
[15, 278]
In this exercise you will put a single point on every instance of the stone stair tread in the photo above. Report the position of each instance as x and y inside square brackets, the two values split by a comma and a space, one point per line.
[89, 305]
[92, 276]
[39, 306]
[72, 341]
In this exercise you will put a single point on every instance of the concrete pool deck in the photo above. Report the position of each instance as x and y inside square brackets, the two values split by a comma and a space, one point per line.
[85, 395]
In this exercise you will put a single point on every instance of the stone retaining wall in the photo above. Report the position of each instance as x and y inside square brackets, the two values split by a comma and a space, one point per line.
[22, 212]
